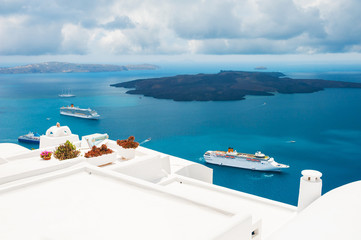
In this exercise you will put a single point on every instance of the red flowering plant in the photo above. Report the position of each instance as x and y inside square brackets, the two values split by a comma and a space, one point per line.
[96, 152]
[128, 143]
[45, 155]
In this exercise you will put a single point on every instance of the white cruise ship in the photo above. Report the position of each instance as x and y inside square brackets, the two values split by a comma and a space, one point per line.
[67, 94]
[72, 111]
[231, 158]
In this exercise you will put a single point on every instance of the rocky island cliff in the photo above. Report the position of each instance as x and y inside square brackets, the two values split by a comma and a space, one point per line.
[227, 85]
[64, 67]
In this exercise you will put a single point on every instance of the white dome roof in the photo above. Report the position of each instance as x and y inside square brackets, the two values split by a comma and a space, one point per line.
[335, 215]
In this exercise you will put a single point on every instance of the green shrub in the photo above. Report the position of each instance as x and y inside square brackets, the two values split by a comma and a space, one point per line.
[66, 151]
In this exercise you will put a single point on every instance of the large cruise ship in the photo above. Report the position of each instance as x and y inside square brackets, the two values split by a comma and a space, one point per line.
[231, 158]
[79, 112]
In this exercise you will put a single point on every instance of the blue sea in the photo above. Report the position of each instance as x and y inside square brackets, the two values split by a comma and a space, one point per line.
[325, 126]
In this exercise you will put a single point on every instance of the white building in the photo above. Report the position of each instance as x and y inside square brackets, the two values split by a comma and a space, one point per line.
[154, 196]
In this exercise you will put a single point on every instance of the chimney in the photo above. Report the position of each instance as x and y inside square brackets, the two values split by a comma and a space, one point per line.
[310, 188]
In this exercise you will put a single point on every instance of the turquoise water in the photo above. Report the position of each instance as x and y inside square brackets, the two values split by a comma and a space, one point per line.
[325, 126]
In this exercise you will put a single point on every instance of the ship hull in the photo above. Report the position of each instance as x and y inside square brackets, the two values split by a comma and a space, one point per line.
[29, 140]
[66, 95]
[243, 163]
[80, 116]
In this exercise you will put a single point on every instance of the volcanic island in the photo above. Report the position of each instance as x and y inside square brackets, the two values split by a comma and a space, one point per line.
[227, 86]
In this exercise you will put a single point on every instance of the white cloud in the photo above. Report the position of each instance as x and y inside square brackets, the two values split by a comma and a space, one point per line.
[282, 19]
[179, 27]
[119, 22]
[17, 36]
[75, 39]
[206, 20]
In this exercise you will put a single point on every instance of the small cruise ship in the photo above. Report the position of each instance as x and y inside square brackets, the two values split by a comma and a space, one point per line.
[67, 94]
[30, 138]
[72, 111]
[231, 158]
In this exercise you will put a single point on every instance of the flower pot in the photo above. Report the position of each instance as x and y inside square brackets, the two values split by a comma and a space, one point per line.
[102, 160]
[46, 158]
[126, 153]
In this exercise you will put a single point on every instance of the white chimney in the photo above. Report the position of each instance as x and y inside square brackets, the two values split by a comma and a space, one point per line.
[310, 188]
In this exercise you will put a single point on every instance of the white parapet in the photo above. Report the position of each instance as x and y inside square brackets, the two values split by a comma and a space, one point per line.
[57, 135]
[3, 160]
[310, 188]
[197, 171]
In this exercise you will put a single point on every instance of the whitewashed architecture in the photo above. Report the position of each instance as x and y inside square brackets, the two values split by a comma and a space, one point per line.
[154, 196]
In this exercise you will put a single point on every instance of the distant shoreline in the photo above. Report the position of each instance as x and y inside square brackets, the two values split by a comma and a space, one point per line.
[64, 67]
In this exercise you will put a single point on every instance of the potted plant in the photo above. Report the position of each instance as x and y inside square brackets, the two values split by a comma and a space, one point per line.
[45, 155]
[127, 147]
[66, 151]
[100, 156]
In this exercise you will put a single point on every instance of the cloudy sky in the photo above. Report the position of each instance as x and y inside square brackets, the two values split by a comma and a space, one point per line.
[179, 27]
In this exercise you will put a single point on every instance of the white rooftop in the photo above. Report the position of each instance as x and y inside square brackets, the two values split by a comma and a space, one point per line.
[153, 196]
[85, 203]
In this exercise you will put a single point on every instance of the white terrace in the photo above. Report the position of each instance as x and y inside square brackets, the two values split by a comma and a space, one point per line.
[153, 196]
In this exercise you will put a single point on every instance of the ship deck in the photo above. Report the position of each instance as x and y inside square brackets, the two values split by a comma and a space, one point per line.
[245, 155]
